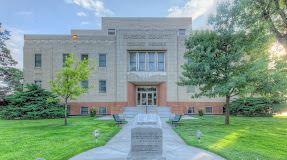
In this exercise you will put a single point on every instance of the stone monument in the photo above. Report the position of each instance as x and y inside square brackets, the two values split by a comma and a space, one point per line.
[146, 138]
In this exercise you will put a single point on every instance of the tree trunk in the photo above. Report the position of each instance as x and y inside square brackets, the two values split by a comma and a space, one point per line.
[66, 109]
[227, 109]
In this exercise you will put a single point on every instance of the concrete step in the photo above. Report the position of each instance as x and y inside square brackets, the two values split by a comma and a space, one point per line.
[162, 111]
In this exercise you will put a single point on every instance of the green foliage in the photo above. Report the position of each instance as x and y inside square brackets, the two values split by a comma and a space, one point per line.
[9, 77]
[93, 112]
[257, 16]
[200, 112]
[12, 80]
[253, 106]
[32, 103]
[67, 82]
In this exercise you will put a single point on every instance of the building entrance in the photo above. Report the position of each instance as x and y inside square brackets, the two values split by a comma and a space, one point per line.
[146, 96]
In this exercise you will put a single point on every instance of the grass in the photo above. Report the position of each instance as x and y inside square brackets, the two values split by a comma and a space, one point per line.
[50, 139]
[246, 138]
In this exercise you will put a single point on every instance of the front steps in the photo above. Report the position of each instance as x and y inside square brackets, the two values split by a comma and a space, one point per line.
[162, 111]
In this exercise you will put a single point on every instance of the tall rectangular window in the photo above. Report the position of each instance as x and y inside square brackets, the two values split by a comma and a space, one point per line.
[133, 61]
[151, 61]
[84, 111]
[208, 109]
[84, 56]
[65, 55]
[142, 61]
[102, 60]
[160, 61]
[38, 60]
[85, 84]
[38, 82]
[102, 86]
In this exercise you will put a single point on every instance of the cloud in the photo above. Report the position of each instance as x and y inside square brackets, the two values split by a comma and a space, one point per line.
[82, 14]
[97, 6]
[15, 44]
[199, 10]
[85, 23]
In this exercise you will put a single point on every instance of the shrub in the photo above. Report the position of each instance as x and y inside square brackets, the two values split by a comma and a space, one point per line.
[93, 111]
[253, 106]
[200, 112]
[32, 103]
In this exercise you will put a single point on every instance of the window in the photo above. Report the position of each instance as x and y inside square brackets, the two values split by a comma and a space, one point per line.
[151, 61]
[84, 111]
[141, 61]
[147, 61]
[208, 109]
[38, 60]
[111, 31]
[160, 61]
[102, 86]
[102, 60]
[103, 110]
[65, 55]
[190, 110]
[85, 84]
[84, 56]
[133, 61]
[181, 32]
[38, 82]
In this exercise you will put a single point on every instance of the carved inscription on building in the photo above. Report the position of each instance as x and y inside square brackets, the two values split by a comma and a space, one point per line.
[146, 36]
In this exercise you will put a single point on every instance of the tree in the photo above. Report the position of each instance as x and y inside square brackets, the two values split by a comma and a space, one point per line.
[32, 103]
[67, 82]
[260, 16]
[6, 61]
[12, 81]
[220, 61]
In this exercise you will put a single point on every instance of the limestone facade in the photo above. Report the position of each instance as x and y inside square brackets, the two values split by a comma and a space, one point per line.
[158, 48]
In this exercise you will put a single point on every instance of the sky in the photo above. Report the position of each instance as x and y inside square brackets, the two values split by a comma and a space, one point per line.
[60, 16]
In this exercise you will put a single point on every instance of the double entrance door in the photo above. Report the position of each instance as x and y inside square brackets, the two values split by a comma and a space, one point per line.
[146, 96]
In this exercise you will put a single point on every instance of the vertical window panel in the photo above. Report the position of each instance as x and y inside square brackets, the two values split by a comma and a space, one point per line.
[102, 86]
[38, 60]
[102, 60]
[142, 61]
[133, 61]
[160, 61]
[151, 61]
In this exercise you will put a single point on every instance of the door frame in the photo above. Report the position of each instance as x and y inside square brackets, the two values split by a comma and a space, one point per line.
[140, 93]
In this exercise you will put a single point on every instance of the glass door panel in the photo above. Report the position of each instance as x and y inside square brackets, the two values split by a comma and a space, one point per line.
[144, 99]
[150, 99]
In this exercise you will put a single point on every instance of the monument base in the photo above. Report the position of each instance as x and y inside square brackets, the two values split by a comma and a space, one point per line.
[145, 158]
[146, 138]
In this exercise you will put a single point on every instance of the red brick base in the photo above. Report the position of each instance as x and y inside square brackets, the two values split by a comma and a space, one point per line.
[176, 107]
[113, 107]
[182, 107]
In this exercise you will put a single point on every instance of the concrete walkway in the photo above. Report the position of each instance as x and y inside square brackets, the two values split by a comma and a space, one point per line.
[174, 147]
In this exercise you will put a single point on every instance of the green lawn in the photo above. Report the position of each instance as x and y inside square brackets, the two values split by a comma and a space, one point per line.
[50, 139]
[246, 138]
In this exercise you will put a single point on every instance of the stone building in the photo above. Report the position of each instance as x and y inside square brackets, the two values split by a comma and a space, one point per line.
[138, 64]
